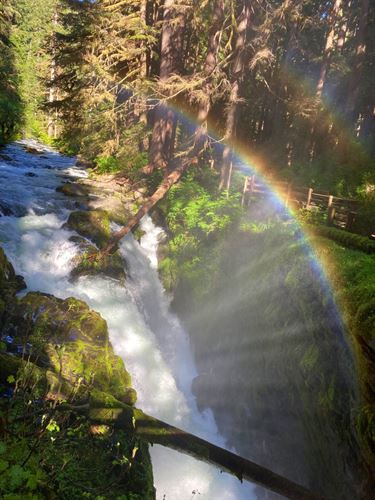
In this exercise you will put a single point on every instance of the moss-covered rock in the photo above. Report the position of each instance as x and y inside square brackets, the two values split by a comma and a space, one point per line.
[118, 213]
[89, 262]
[71, 340]
[64, 355]
[10, 283]
[73, 189]
[92, 224]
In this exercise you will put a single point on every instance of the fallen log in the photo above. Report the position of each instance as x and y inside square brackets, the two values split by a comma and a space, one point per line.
[155, 431]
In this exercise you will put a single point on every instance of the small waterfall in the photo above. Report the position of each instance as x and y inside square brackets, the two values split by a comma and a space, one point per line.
[142, 330]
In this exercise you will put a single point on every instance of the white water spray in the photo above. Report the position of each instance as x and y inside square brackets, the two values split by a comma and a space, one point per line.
[142, 330]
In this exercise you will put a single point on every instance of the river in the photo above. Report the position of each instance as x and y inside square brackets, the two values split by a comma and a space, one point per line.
[142, 329]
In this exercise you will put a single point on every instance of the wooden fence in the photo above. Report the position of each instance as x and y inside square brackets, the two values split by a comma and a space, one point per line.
[341, 212]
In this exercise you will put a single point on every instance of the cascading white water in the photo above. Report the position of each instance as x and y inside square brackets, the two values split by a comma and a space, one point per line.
[142, 330]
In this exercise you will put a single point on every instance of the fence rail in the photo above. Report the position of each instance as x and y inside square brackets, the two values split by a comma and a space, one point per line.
[341, 212]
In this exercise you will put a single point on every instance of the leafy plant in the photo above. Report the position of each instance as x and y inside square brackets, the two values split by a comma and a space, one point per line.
[107, 165]
[349, 240]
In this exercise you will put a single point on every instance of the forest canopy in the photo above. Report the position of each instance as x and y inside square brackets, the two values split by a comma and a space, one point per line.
[290, 81]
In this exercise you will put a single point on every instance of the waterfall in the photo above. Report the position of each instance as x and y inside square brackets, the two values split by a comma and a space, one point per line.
[142, 329]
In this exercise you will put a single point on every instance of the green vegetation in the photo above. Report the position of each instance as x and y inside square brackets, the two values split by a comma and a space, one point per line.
[107, 165]
[293, 81]
[352, 275]
[196, 216]
[48, 449]
[261, 326]
[49, 453]
[348, 240]
[11, 108]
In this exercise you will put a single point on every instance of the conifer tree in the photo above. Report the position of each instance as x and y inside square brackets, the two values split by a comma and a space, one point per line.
[11, 111]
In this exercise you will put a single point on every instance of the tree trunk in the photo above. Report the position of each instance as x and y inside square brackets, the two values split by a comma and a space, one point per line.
[318, 134]
[328, 49]
[238, 67]
[156, 431]
[52, 114]
[360, 54]
[175, 175]
[162, 142]
[161, 191]
[152, 430]
[209, 67]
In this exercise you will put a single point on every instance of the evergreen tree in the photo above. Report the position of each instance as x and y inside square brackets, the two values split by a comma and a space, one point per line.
[11, 111]
[32, 28]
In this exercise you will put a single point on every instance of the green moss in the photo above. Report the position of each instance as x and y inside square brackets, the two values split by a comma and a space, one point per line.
[93, 224]
[71, 339]
[91, 263]
[352, 275]
[138, 233]
[10, 283]
[71, 359]
[119, 215]
[73, 189]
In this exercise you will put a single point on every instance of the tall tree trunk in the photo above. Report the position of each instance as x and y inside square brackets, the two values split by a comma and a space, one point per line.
[237, 70]
[329, 46]
[356, 75]
[319, 127]
[172, 177]
[163, 133]
[52, 114]
[210, 65]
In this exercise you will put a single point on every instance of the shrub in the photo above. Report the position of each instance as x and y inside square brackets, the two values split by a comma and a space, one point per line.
[349, 240]
[106, 164]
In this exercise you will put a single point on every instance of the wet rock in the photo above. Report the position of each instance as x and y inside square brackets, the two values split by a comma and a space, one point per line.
[90, 263]
[5, 209]
[130, 397]
[6, 157]
[93, 224]
[33, 151]
[82, 163]
[72, 340]
[10, 282]
[30, 174]
[72, 189]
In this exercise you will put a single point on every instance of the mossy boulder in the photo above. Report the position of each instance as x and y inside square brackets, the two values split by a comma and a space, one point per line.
[71, 341]
[73, 189]
[89, 262]
[92, 224]
[10, 283]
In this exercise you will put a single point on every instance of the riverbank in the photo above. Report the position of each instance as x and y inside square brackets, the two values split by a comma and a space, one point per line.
[264, 324]
[47, 243]
[56, 351]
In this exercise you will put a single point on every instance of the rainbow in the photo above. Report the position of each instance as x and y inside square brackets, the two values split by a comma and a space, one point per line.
[253, 164]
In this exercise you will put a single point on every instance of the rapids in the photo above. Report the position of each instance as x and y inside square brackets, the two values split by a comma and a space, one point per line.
[142, 329]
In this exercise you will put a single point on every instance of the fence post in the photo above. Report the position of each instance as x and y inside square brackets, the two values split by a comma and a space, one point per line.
[309, 195]
[252, 183]
[350, 221]
[288, 194]
[330, 200]
[244, 191]
[331, 215]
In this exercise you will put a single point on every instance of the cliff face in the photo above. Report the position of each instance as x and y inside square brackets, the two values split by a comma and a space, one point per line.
[58, 351]
[274, 364]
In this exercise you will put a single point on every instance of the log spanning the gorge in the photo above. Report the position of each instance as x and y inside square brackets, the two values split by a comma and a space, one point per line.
[156, 431]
